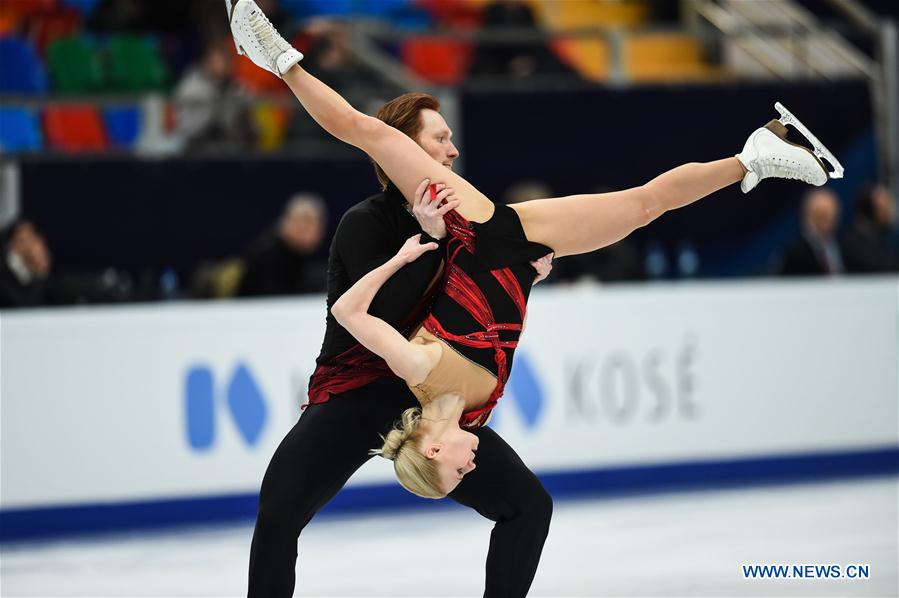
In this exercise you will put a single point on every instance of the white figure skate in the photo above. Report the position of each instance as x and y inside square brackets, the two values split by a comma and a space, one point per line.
[768, 154]
[257, 39]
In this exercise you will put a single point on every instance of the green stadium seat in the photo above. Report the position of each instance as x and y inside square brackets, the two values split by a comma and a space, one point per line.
[75, 66]
[135, 64]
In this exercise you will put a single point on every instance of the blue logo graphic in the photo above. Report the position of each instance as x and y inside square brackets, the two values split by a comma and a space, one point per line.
[242, 397]
[524, 390]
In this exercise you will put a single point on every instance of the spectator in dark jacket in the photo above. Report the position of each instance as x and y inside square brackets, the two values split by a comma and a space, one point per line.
[283, 261]
[515, 60]
[25, 267]
[867, 246]
[816, 250]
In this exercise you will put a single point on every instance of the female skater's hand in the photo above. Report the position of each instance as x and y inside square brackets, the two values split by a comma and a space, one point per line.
[543, 266]
[413, 248]
[429, 210]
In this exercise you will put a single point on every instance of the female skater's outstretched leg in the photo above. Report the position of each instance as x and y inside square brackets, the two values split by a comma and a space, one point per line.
[582, 223]
[569, 225]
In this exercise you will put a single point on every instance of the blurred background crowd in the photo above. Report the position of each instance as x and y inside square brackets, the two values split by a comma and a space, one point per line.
[143, 160]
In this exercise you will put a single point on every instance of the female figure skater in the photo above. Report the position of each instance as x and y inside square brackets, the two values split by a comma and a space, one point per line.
[458, 362]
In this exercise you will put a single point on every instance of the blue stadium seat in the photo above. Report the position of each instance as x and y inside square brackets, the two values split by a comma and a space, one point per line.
[22, 71]
[300, 9]
[383, 8]
[122, 125]
[85, 7]
[20, 130]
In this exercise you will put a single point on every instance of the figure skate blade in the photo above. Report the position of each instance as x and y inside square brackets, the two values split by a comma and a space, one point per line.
[820, 150]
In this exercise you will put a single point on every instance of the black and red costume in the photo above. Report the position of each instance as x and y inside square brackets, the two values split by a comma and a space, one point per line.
[354, 398]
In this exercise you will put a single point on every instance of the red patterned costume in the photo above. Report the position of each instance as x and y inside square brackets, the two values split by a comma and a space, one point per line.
[478, 310]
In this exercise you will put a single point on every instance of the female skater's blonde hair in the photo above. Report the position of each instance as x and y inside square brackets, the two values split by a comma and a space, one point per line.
[414, 470]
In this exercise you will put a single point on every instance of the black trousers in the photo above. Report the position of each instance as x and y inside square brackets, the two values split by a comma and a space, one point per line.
[331, 441]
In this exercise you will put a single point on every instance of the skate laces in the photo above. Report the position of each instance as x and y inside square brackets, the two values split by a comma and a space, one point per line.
[266, 34]
[783, 167]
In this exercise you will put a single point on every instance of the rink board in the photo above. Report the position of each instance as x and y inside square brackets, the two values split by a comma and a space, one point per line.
[148, 415]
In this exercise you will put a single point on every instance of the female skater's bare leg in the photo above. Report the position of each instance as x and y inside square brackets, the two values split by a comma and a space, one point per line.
[582, 223]
[402, 159]
[575, 224]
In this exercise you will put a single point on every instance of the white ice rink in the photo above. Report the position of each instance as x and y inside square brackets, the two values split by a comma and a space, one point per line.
[684, 544]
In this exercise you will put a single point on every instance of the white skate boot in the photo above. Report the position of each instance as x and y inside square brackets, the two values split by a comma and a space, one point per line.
[768, 154]
[258, 40]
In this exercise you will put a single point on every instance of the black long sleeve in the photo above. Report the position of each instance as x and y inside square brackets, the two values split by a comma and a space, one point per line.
[368, 235]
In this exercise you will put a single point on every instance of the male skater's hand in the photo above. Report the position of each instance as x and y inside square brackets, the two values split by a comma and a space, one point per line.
[429, 209]
[543, 266]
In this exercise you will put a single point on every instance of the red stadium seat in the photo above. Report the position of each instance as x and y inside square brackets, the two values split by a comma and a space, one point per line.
[256, 79]
[74, 129]
[437, 60]
[453, 13]
[27, 8]
[53, 25]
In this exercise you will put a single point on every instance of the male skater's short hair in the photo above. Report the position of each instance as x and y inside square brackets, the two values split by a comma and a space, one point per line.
[404, 113]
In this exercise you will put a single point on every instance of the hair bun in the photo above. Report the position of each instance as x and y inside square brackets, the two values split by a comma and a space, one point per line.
[398, 436]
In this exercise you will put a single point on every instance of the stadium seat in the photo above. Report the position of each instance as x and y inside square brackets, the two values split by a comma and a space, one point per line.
[256, 79]
[85, 7]
[19, 130]
[21, 70]
[47, 27]
[135, 64]
[660, 56]
[27, 8]
[271, 123]
[74, 129]
[382, 8]
[301, 9]
[75, 66]
[9, 21]
[453, 13]
[435, 59]
[122, 125]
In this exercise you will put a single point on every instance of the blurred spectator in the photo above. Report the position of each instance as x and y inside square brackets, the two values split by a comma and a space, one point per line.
[514, 59]
[282, 261]
[330, 58]
[526, 190]
[867, 245]
[217, 280]
[619, 262]
[212, 111]
[25, 271]
[185, 16]
[816, 250]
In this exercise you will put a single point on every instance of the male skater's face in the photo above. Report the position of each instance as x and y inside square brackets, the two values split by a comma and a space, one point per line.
[436, 138]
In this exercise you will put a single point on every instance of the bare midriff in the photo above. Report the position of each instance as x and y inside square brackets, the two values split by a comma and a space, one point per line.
[453, 374]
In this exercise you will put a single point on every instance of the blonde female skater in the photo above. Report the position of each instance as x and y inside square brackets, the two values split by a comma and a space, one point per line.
[458, 361]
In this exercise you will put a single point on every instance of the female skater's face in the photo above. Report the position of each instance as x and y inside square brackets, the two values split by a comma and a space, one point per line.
[456, 456]
[436, 138]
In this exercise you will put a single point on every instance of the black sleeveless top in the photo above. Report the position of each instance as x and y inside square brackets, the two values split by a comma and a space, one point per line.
[499, 243]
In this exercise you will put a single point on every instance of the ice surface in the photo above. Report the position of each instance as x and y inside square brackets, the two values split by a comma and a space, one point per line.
[685, 544]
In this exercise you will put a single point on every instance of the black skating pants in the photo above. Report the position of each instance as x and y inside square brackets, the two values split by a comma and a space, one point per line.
[331, 441]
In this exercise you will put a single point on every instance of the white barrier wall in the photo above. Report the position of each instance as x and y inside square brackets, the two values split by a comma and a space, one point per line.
[167, 401]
